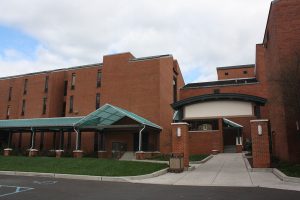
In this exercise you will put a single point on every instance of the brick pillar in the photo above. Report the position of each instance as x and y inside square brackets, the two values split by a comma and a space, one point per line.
[180, 140]
[260, 143]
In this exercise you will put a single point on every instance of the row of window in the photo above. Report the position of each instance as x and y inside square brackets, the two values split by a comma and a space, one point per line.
[46, 85]
[71, 106]
[73, 80]
[244, 72]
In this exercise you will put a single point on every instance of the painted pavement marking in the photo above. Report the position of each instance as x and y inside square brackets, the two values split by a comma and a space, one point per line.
[6, 190]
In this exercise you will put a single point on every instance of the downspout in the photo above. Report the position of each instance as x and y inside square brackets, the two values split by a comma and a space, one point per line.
[77, 135]
[32, 139]
[140, 138]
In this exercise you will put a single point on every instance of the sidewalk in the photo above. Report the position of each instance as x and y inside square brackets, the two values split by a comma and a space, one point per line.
[223, 170]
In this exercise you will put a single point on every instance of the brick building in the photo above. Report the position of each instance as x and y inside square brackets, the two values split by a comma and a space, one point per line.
[151, 91]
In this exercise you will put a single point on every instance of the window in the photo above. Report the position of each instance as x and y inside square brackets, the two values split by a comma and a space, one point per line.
[46, 84]
[97, 101]
[257, 111]
[9, 93]
[174, 89]
[23, 107]
[98, 78]
[44, 105]
[216, 91]
[71, 104]
[226, 73]
[65, 88]
[25, 86]
[8, 112]
[73, 81]
[245, 72]
[204, 125]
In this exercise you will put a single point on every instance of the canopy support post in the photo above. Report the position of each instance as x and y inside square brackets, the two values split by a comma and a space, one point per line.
[140, 138]
[32, 138]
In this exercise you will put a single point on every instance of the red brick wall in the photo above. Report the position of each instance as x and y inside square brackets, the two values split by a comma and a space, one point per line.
[260, 144]
[235, 73]
[282, 44]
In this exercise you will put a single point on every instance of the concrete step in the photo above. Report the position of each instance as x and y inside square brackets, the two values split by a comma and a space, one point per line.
[128, 155]
[230, 149]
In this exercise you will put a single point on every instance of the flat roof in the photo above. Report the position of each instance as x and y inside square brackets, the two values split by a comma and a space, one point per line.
[227, 82]
[236, 67]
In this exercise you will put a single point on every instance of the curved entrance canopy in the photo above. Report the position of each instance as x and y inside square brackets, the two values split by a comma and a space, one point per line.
[222, 96]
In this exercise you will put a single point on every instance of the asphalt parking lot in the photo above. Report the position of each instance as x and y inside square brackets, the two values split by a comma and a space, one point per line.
[36, 188]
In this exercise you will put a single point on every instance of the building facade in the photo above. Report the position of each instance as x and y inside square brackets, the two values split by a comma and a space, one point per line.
[218, 112]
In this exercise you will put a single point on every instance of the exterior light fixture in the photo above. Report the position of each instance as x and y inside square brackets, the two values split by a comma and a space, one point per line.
[259, 130]
[178, 132]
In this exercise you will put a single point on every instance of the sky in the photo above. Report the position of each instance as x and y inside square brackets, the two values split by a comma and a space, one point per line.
[40, 35]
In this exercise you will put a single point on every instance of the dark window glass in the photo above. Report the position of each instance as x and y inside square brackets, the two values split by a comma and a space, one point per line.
[245, 72]
[46, 84]
[97, 101]
[8, 112]
[73, 81]
[204, 125]
[99, 78]
[25, 86]
[226, 73]
[65, 88]
[216, 91]
[257, 111]
[23, 107]
[44, 105]
[174, 89]
[71, 104]
[9, 93]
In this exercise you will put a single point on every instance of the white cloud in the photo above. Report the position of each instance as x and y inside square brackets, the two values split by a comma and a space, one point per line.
[201, 34]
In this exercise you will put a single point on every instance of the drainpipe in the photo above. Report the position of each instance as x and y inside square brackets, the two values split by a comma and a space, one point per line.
[32, 139]
[77, 136]
[140, 138]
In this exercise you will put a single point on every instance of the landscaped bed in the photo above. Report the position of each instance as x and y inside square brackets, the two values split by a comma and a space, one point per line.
[289, 169]
[83, 166]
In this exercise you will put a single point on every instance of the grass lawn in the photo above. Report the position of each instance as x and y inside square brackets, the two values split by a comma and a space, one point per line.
[198, 157]
[83, 166]
[289, 169]
[192, 157]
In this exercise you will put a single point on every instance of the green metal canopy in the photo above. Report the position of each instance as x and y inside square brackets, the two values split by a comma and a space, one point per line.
[39, 122]
[231, 123]
[108, 115]
[105, 116]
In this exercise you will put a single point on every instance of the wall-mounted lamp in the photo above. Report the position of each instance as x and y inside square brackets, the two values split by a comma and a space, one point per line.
[259, 130]
[178, 132]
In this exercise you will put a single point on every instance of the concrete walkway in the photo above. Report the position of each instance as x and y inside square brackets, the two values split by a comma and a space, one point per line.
[227, 169]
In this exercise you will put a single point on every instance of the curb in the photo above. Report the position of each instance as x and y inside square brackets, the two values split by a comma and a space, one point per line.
[279, 174]
[86, 177]
[203, 160]
[284, 177]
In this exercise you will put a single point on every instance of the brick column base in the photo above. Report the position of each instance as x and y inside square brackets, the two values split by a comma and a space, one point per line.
[102, 154]
[59, 153]
[239, 148]
[7, 151]
[77, 154]
[32, 152]
[140, 155]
